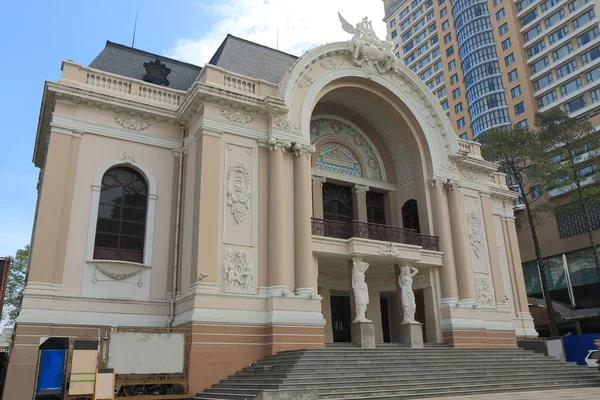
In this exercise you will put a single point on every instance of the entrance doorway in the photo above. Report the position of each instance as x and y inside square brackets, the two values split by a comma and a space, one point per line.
[340, 318]
[385, 319]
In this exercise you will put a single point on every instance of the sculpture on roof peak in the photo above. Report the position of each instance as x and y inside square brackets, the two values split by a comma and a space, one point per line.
[367, 48]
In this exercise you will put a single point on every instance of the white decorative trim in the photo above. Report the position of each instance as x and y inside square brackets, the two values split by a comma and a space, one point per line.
[284, 123]
[388, 249]
[307, 79]
[236, 116]
[97, 318]
[238, 274]
[238, 198]
[475, 232]
[76, 125]
[117, 270]
[332, 62]
[318, 180]
[485, 292]
[360, 189]
[131, 123]
[469, 174]
[354, 179]
[248, 317]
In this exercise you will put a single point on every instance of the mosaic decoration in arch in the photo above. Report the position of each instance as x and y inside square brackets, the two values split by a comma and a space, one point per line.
[338, 158]
[326, 126]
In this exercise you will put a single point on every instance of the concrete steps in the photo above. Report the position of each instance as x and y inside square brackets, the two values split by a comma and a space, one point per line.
[393, 372]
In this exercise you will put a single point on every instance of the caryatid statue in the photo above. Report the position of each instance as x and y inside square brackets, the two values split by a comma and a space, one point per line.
[360, 289]
[409, 305]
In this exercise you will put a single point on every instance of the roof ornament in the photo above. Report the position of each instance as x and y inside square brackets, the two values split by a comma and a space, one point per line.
[367, 50]
[156, 72]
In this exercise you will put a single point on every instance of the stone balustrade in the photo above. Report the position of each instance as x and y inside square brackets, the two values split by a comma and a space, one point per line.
[127, 87]
[469, 147]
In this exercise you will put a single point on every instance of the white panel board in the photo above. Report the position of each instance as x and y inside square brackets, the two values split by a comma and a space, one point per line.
[146, 353]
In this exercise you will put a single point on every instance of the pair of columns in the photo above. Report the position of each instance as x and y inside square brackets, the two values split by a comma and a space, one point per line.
[449, 222]
[456, 275]
[305, 275]
[359, 198]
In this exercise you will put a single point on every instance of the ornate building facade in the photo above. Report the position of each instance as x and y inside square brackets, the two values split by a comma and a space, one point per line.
[230, 201]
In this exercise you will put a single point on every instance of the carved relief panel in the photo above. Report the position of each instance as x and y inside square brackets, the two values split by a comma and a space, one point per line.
[239, 186]
[475, 229]
[239, 256]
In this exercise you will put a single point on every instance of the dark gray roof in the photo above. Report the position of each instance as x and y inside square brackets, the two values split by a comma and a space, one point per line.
[127, 61]
[252, 59]
[235, 54]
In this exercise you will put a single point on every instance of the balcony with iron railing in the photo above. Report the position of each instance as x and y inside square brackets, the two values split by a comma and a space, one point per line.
[368, 230]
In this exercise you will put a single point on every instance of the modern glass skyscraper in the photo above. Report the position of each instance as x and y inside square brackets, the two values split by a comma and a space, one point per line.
[496, 62]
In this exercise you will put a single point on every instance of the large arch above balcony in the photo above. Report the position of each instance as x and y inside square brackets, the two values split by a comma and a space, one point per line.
[403, 97]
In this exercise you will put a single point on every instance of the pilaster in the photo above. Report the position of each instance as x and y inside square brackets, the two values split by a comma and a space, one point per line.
[360, 202]
[441, 226]
[305, 274]
[464, 277]
[492, 244]
[317, 196]
[277, 251]
[208, 160]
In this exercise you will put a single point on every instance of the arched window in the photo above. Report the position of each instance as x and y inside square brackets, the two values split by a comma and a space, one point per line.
[337, 203]
[410, 215]
[121, 224]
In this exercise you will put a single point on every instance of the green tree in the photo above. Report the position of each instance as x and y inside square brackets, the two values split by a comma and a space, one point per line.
[15, 283]
[571, 168]
[518, 151]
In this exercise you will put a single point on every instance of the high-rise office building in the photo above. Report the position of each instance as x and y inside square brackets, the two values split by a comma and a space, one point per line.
[495, 63]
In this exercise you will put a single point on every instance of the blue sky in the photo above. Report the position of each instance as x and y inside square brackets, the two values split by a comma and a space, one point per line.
[36, 36]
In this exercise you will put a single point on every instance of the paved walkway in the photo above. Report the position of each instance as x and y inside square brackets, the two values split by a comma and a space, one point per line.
[564, 394]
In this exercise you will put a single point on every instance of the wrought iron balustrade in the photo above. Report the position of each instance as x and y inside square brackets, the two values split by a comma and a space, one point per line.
[367, 230]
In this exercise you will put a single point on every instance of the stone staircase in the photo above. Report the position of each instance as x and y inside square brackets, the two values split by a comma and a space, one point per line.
[394, 372]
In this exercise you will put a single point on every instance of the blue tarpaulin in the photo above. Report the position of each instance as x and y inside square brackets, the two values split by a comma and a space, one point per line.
[50, 375]
[578, 346]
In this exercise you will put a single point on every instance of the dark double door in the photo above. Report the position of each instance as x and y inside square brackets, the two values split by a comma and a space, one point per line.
[340, 318]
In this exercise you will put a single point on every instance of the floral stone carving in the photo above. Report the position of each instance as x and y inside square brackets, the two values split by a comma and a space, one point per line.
[238, 274]
[475, 233]
[239, 191]
[131, 123]
[236, 116]
[307, 79]
[485, 293]
[388, 249]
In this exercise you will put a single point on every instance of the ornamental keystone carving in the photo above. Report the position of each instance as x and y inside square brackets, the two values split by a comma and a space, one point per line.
[367, 50]
[238, 274]
[332, 63]
[131, 123]
[475, 233]
[236, 116]
[485, 293]
[239, 191]
[128, 157]
[283, 123]
[307, 79]
[388, 249]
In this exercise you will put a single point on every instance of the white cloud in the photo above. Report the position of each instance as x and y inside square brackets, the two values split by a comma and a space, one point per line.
[302, 24]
